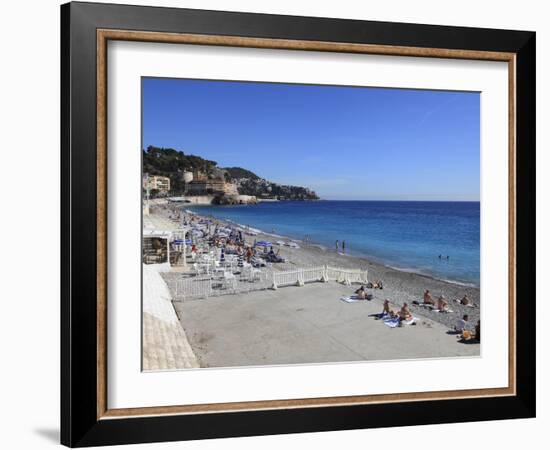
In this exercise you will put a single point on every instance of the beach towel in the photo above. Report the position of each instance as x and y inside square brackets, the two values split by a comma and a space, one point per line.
[427, 305]
[410, 322]
[443, 310]
[392, 323]
[351, 299]
[467, 306]
[379, 316]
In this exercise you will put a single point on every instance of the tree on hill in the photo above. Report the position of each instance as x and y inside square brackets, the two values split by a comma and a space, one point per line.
[171, 163]
[239, 172]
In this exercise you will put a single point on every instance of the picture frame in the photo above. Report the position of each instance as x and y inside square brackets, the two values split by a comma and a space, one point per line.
[86, 418]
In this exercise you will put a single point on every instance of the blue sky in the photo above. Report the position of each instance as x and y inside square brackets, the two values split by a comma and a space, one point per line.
[346, 143]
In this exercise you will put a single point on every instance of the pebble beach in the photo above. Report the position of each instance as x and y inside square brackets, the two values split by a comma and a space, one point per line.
[398, 286]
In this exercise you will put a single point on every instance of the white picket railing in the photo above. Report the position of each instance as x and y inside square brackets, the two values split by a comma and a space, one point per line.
[196, 287]
[288, 278]
[314, 274]
[299, 277]
[193, 287]
[332, 273]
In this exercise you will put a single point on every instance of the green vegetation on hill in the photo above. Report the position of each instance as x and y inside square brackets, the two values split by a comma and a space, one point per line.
[172, 163]
[239, 172]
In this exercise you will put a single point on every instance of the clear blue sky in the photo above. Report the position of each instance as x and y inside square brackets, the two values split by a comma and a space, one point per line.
[346, 143]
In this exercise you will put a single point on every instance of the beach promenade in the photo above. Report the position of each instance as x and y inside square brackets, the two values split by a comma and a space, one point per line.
[165, 345]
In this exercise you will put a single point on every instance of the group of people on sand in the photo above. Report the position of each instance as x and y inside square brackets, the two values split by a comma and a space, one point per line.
[362, 294]
[463, 329]
[404, 314]
[339, 245]
[441, 302]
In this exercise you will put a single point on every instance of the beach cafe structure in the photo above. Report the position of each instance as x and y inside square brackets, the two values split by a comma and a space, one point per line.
[160, 247]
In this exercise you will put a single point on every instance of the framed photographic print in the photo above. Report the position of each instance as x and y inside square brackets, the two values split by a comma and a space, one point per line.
[277, 224]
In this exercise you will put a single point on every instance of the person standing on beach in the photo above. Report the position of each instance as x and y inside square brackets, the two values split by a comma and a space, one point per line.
[343, 246]
[336, 245]
[249, 254]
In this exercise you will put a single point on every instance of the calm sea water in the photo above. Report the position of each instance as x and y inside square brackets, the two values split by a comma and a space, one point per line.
[404, 235]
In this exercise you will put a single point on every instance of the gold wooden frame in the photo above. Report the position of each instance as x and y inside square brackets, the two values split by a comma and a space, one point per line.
[104, 35]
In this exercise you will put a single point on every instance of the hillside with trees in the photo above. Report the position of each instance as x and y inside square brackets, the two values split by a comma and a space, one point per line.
[173, 163]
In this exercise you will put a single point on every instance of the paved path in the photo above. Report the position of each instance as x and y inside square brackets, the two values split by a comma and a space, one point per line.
[165, 344]
[305, 325]
[157, 222]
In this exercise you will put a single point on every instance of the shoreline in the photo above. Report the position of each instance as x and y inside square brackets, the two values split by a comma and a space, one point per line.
[399, 286]
[363, 257]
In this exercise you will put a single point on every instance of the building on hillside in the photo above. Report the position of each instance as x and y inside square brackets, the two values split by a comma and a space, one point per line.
[211, 187]
[157, 182]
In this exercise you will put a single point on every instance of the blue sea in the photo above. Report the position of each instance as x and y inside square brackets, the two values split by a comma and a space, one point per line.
[405, 235]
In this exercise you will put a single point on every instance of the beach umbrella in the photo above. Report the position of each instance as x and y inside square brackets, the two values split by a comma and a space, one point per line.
[181, 241]
[264, 244]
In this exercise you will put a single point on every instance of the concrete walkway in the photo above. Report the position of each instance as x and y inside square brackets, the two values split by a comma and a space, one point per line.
[165, 344]
[157, 222]
[298, 325]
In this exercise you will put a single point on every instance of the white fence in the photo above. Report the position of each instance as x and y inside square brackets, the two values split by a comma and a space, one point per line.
[197, 287]
[299, 277]
[193, 287]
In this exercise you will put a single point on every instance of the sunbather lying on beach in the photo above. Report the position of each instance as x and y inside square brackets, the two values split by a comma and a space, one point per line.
[376, 285]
